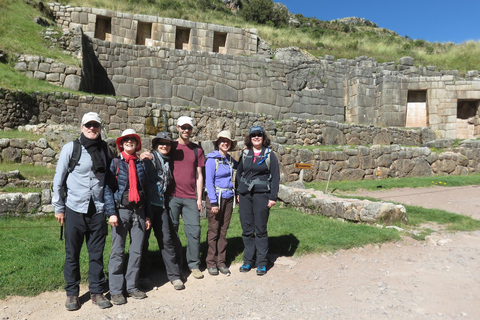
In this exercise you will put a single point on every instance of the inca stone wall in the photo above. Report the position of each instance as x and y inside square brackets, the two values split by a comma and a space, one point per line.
[147, 118]
[287, 84]
[133, 29]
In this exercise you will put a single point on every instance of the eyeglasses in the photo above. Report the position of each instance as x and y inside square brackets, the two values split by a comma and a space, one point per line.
[185, 128]
[255, 135]
[92, 124]
[164, 143]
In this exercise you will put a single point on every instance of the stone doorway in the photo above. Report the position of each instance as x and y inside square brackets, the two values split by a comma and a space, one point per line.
[467, 118]
[144, 34]
[103, 28]
[182, 38]
[220, 42]
[417, 116]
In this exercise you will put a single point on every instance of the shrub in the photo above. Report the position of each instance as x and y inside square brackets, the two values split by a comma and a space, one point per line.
[258, 11]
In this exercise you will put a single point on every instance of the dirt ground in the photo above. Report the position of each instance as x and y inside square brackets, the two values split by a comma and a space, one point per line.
[435, 279]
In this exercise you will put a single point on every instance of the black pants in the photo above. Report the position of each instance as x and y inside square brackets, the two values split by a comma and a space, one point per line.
[165, 234]
[254, 212]
[93, 228]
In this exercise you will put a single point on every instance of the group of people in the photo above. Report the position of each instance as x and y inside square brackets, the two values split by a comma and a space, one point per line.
[138, 193]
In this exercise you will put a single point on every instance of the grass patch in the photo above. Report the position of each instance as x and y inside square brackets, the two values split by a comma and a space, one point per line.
[454, 222]
[29, 172]
[37, 239]
[389, 183]
[15, 134]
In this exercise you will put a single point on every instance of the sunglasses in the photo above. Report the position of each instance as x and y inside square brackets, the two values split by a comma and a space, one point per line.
[255, 135]
[92, 124]
[129, 139]
[164, 143]
[185, 128]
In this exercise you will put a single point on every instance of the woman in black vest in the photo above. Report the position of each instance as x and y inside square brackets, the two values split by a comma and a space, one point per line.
[258, 177]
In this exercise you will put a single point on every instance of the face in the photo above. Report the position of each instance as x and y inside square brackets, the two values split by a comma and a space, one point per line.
[224, 145]
[164, 146]
[91, 130]
[129, 145]
[257, 140]
[185, 131]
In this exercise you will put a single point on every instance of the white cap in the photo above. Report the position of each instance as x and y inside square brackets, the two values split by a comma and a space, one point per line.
[91, 116]
[184, 120]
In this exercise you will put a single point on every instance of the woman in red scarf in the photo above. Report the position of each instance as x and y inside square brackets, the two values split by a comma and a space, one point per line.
[132, 217]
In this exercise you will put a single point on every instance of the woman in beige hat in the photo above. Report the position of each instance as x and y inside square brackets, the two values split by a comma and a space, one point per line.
[219, 170]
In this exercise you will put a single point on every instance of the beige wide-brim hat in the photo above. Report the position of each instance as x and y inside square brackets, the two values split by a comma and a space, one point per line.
[227, 135]
[129, 133]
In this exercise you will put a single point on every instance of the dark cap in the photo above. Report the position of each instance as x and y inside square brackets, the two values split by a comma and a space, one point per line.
[161, 136]
[256, 129]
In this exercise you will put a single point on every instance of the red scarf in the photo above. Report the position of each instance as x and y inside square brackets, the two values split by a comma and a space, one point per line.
[132, 176]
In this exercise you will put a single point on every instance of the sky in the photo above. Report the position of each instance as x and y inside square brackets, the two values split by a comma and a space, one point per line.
[434, 21]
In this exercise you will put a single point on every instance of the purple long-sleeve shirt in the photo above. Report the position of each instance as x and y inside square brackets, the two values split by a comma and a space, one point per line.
[221, 178]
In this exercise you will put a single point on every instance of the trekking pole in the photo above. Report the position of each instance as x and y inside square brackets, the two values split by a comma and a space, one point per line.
[61, 232]
[330, 174]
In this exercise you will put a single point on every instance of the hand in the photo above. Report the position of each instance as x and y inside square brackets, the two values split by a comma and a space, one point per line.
[113, 220]
[199, 204]
[271, 203]
[146, 155]
[214, 210]
[60, 218]
[238, 199]
[148, 223]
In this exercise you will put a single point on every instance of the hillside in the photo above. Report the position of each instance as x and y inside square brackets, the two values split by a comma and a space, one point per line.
[344, 38]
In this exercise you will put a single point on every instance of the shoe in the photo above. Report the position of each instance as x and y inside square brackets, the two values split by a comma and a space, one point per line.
[197, 274]
[261, 270]
[213, 271]
[100, 300]
[245, 267]
[178, 284]
[224, 270]
[72, 303]
[118, 299]
[137, 294]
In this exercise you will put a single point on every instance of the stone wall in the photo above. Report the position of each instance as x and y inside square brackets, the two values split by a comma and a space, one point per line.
[148, 117]
[139, 29]
[47, 69]
[352, 161]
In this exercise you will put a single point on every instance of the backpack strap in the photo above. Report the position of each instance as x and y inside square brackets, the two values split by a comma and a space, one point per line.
[76, 154]
[116, 166]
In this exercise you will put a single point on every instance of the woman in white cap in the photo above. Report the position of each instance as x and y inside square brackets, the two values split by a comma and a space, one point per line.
[219, 170]
[258, 179]
[160, 176]
[131, 217]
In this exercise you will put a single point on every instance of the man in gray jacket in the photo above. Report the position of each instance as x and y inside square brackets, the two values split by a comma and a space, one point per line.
[82, 209]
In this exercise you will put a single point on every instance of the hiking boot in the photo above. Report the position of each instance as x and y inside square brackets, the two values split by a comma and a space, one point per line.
[224, 270]
[118, 299]
[99, 300]
[178, 284]
[137, 294]
[72, 303]
[261, 270]
[197, 274]
[245, 267]
[213, 271]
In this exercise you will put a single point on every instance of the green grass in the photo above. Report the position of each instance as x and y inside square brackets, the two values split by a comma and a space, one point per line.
[37, 239]
[415, 182]
[29, 172]
[15, 134]
[291, 233]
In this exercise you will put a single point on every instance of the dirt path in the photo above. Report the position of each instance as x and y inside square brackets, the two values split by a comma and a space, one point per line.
[435, 279]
